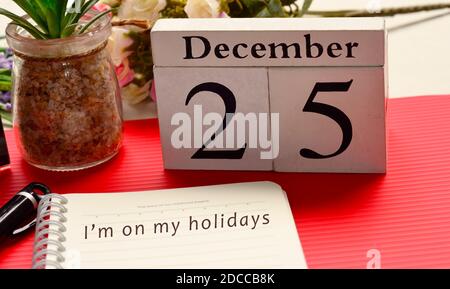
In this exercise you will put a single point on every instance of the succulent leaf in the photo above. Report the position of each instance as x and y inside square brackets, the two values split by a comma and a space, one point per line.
[51, 18]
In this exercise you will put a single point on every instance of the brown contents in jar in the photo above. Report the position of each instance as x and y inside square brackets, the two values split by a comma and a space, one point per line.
[67, 110]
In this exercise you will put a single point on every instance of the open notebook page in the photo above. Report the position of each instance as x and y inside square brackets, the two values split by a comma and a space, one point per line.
[247, 225]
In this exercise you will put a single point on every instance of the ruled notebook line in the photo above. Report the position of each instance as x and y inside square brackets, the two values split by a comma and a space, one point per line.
[199, 243]
[217, 262]
[167, 210]
[166, 256]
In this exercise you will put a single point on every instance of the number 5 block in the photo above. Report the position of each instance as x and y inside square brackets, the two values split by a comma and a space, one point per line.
[332, 119]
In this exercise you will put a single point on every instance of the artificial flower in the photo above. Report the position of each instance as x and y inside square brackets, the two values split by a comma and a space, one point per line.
[141, 9]
[134, 94]
[100, 7]
[202, 8]
[153, 91]
[111, 3]
[125, 74]
[6, 60]
[117, 44]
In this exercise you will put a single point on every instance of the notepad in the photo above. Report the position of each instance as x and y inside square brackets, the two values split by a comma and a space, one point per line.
[245, 225]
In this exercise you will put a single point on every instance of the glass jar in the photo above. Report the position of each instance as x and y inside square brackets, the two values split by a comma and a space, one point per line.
[67, 110]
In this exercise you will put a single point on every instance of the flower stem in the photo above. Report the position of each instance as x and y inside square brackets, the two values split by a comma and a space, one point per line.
[134, 22]
[382, 12]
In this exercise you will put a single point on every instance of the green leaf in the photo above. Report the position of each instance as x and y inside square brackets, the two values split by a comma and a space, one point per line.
[6, 117]
[5, 77]
[305, 7]
[263, 8]
[61, 12]
[74, 17]
[276, 8]
[30, 8]
[84, 9]
[41, 14]
[253, 6]
[49, 9]
[5, 85]
[93, 20]
[71, 13]
[5, 71]
[273, 8]
[52, 17]
[87, 6]
[288, 2]
[68, 30]
[24, 24]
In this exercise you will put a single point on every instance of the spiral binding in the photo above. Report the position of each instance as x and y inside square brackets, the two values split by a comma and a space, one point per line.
[49, 239]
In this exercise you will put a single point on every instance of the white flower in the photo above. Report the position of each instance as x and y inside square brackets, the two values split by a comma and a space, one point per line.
[141, 9]
[202, 8]
[135, 94]
[118, 42]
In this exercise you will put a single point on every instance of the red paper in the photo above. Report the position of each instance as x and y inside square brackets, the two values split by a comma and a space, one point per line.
[405, 214]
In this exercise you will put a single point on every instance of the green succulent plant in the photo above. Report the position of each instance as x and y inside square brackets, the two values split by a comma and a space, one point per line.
[53, 18]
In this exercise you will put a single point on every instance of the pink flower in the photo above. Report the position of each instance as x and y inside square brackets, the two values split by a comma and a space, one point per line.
[153, 91]
[125, 75]
[100, 7]
[223, 15]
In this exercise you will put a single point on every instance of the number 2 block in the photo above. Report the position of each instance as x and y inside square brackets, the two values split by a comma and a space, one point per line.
[197, 133]
[332, 119]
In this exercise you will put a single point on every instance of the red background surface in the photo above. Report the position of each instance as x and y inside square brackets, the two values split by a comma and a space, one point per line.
[404, 214]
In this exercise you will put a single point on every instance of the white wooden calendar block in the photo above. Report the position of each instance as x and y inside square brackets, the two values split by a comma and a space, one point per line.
[193, 104]
[332, 119]
[321, 80]
[268, 42]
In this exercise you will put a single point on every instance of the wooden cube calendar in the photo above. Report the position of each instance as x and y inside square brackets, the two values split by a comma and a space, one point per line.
[290, 95]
